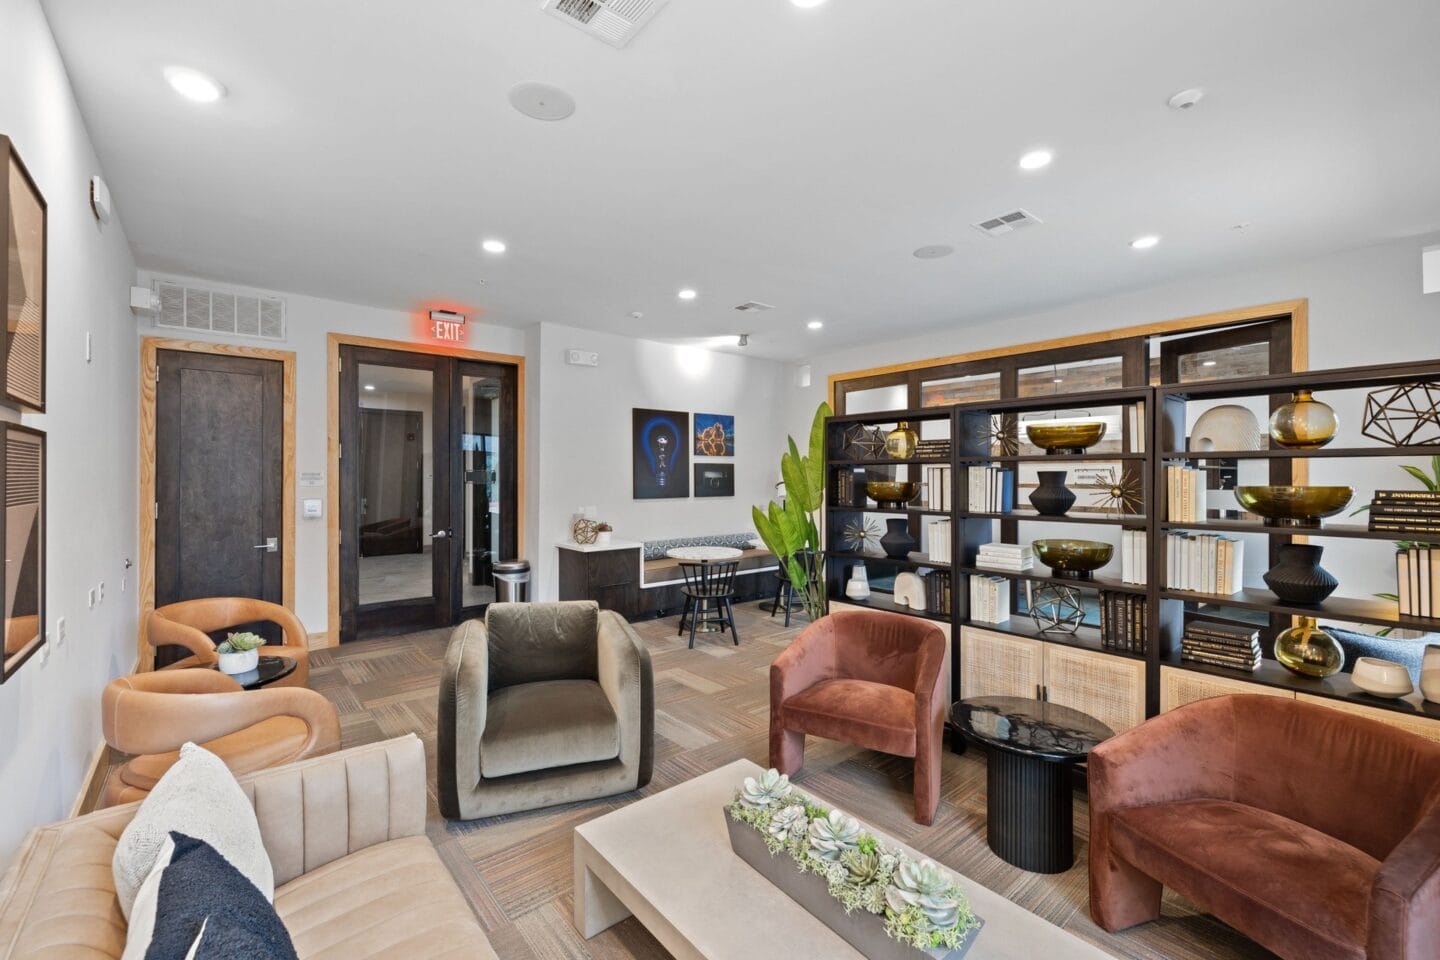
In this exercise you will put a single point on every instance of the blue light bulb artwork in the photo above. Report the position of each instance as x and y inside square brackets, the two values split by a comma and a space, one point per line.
[661, 458]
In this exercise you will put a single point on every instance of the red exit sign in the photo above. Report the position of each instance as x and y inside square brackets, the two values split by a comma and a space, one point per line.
[448, 331]
[442, 323]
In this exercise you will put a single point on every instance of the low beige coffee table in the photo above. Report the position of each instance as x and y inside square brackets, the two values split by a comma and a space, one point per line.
[667, 861]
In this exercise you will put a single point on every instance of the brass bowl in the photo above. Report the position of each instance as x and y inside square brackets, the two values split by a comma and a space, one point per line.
[1065, 437]
[1073, 558]
[1294, 506]
[895, 493]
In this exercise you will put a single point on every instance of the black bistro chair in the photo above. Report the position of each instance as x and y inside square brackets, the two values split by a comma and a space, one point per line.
[709, 596]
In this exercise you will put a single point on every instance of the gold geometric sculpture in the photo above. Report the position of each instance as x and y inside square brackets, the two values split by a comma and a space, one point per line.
[1404, 416]
[584, 531]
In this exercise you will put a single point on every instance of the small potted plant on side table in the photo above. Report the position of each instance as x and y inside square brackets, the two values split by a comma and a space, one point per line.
[240, 653]
[602, 532]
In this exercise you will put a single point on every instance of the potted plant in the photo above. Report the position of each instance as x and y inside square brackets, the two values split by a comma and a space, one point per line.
[240, 652]
[791, 529]
[602, 532]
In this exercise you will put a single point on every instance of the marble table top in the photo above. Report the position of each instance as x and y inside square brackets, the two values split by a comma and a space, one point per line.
[703, 554]
[1033, 727]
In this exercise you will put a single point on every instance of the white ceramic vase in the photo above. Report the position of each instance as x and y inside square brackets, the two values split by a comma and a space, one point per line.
[602, 536]
[233, 663]
[858, 586]
[1430, 673]
[1382, 678]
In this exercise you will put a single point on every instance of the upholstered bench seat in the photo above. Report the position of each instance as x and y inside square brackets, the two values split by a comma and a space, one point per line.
[547, 724]
[873, 715]
[1308, 888]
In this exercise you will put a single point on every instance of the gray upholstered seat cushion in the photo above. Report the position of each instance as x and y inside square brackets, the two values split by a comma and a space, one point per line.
[552, 723]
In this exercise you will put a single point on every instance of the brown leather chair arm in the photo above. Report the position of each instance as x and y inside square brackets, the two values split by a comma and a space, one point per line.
[158, 712]
[1186, 754]
[1405, 898]
[188, 622]
[810, 658]
[162, 631]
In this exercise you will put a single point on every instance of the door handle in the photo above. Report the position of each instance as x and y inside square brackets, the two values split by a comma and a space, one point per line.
[271, 545]
[439, 534]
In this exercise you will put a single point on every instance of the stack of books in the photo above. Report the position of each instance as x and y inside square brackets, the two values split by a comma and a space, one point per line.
[850, 488]
[1406, 511]
[937, 488]
[1005, 557]
[1134, 555]
[1186, 493]
[1417, 576]
[937, 540]
[990, 490]
[937, 591]
[933, 449]
[1204, 563]
[1221, 645]
[1123, 622]
[989, 599]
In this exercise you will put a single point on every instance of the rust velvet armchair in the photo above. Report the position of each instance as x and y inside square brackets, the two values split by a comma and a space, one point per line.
[1314, 832]
[873, 679]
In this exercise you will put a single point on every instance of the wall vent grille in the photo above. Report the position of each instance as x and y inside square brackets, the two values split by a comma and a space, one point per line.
[186, 307]
[753, 306]
[1007, 223]
[614, 21]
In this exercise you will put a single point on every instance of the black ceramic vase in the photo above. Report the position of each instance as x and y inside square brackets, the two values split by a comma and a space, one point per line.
[1298, 577]
[897, 541]
[1052, 498]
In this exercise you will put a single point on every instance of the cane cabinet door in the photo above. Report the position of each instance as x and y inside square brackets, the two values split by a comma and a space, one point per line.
[999, 665]
[1109, 688]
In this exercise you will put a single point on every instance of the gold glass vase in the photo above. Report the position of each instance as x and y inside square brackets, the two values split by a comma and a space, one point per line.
[1304, 423]
[1309, 651]
[900, 443]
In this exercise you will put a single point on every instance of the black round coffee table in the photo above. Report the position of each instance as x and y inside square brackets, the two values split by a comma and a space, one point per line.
[266, 672]
[1031, 747]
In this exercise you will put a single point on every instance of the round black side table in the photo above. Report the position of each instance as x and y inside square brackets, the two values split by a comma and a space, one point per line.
[266, 672]
[1031, 746]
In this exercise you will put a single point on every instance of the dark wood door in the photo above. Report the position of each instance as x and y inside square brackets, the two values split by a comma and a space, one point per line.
[219, 477]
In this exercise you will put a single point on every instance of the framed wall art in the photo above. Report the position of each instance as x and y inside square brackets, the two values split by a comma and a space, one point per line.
[714, 479]
[660, 454]
[22, 531]
[22, 277]
[714, 435]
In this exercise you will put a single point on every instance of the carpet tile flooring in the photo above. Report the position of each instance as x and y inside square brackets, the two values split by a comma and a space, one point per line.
[712, 707]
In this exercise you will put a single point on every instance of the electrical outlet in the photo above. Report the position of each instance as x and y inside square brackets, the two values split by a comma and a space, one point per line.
[100, 592]
[60, 631]
[90, 597]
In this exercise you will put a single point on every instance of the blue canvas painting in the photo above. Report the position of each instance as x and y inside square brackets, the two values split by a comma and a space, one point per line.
[714, 435]
[661, 467]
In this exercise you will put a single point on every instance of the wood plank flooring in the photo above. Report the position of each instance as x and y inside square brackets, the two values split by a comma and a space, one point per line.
[711, 707]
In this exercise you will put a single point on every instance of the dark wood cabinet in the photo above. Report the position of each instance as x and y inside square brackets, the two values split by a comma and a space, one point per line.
[609, 577]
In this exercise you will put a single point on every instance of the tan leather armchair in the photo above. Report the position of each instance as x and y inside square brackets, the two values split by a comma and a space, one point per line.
[151, 715]
[186, 624]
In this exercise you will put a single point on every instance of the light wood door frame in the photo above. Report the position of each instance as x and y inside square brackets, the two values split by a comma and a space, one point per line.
[332, 462]
[150, 348]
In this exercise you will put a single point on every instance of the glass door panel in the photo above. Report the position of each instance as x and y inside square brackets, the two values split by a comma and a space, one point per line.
[486, 499]
[397, 501]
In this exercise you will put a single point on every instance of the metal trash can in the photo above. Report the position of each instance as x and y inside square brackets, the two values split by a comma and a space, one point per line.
[512, 581]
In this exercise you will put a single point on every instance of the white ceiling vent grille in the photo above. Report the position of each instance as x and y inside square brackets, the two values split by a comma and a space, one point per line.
[184, 307]
[753, 306]
[614, 21]
[1008, 223]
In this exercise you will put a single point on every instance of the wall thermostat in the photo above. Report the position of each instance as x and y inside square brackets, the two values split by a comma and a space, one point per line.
[100, 199]
[312, 507]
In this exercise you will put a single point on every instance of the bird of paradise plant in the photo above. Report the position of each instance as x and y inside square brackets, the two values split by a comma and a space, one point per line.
[791, 530]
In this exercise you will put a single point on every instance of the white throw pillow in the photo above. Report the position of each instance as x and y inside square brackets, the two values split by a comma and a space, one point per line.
[199, 797]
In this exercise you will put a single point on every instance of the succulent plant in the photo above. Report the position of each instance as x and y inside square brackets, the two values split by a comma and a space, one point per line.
[240, 643]
[789, 822]
[833, 835]
[864, 868]
[925, 885]
[770, 787]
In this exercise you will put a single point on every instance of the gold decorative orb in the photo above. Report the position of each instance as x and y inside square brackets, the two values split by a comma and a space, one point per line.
[1309, 651]
[1304, 423]
[1284, 506]
[900, 443]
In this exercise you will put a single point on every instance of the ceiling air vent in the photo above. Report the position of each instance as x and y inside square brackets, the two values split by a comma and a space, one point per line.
[187, 307]
[1007, 222]
[753, 306]
[614, 21]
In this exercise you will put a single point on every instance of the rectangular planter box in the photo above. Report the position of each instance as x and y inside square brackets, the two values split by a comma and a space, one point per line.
[863, 931]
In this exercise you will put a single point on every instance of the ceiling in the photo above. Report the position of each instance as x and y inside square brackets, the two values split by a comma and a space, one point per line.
[755, 150]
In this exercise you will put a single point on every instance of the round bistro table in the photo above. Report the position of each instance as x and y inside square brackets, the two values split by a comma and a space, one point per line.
[1031, 747]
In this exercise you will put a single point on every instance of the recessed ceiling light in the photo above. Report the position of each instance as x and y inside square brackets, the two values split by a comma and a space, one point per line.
[370, 387]
[493, 246]
[686, 294]
[1036, 159]
[541, 101]
[1207, 363]
[807, 4]
[1186, 99]
[1145, 242]
[194, 85]
[1059, 380]
[933, 251]
[815, 324]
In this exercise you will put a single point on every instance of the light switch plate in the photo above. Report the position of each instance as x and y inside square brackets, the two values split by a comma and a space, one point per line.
[90, 597]
[60, 631]
[312, 507]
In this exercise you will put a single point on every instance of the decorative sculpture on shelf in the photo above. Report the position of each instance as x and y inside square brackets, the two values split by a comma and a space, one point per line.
[1116, 491]
[1404, 416]
[1056, 608]
[584, 530]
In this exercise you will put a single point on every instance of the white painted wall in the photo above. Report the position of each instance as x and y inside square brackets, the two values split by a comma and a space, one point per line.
[50, 710]
[309, 321]
[585, 425]
[1366, 306]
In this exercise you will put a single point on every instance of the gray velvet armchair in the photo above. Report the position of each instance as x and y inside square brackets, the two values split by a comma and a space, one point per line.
[543, 704]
